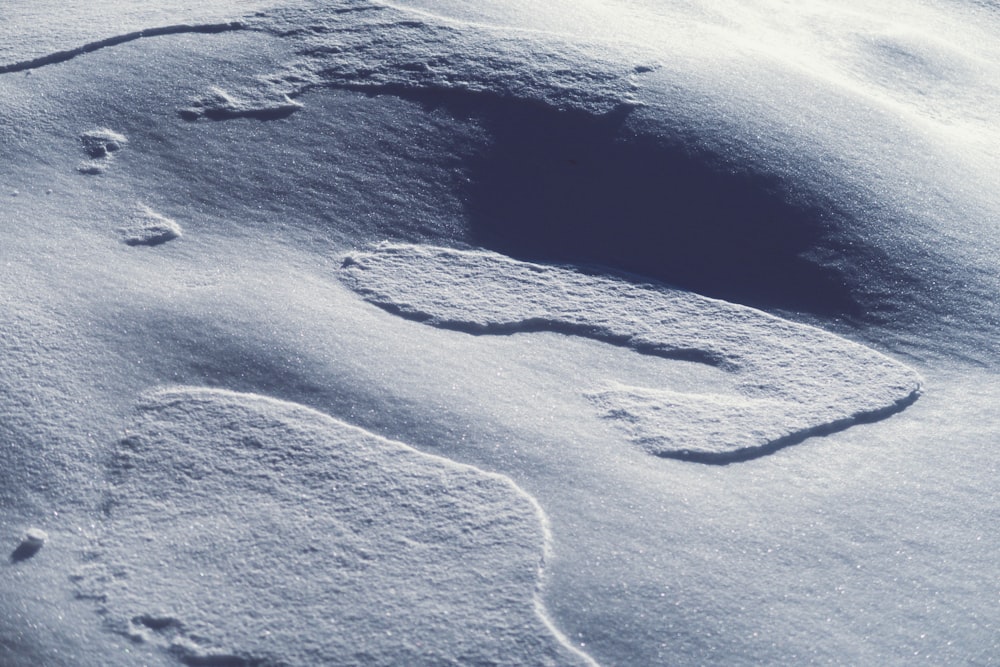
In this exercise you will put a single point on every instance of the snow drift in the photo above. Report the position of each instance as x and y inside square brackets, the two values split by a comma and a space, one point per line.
[791, 380]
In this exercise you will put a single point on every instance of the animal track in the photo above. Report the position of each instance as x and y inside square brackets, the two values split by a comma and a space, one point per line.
[100, 146]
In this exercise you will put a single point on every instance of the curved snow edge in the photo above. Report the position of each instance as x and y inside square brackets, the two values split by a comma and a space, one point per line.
[751, 453]
[793, 381]
[69, 54]
[175, 394]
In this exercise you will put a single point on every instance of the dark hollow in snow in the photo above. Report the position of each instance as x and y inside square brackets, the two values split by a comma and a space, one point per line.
[156, 622]
[102, 143]
[224, 661]
[566, 186]
[560, 185]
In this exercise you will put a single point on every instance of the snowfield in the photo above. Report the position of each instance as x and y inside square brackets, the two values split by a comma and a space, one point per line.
[427, 332]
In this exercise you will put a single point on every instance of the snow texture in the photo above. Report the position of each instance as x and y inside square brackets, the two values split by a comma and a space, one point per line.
[147, 227]
[242, 530]
[377, 47]
[100, 145]
[217, 104]
[793, 381]
[834, 162]
[43, 32]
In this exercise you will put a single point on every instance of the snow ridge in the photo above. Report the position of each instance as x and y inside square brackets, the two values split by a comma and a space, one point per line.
[792, 381]
[69, 54]
[219, 104]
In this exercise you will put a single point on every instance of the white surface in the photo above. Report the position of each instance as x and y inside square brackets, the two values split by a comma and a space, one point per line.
[788, 381]
[872, 545]
[281, 536]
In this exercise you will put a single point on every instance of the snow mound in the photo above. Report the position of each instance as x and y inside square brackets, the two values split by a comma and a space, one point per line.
[372, 46]
[245, 530]
[92, 167]
[148, 227]
[217, 104]
[792, 380]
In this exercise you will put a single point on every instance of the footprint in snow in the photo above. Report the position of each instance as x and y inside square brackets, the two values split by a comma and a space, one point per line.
[100, 145]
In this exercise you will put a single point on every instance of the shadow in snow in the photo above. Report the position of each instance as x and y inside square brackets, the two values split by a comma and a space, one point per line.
[751, 453]
[24, 551]
[568, 186]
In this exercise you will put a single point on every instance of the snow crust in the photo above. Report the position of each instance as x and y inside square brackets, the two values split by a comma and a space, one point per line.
[378, 47]
[218, 104]
[31, 33]
[245, 530]
[831, 163]
[793, 380]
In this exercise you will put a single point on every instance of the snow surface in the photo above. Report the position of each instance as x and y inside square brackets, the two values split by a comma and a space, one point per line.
[781, 394]
[280, 536]
[831, 164]
[147, 227]
[32, 32]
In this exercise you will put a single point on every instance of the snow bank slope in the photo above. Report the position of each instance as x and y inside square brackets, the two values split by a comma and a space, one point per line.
[244, 530]
[51, 30]
[794, 380]
[375, 46]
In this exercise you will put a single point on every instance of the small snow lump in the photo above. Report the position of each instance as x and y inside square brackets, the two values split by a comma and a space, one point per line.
[147, 227]
[31, 543]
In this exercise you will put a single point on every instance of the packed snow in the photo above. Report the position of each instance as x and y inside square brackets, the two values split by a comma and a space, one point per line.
[266, 521]
[343, 332]
[791, 381]
[147, 227]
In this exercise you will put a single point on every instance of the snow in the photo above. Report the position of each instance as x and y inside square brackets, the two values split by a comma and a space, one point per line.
[147, 227]
[102, 143]
[703, 230]
[791, 381]
[33, 32]
[378, 47]
[217, 104]
[33, 540]
[265, 521]
[100, 146]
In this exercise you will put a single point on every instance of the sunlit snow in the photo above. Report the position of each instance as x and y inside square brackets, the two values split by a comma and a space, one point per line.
[623, 332]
